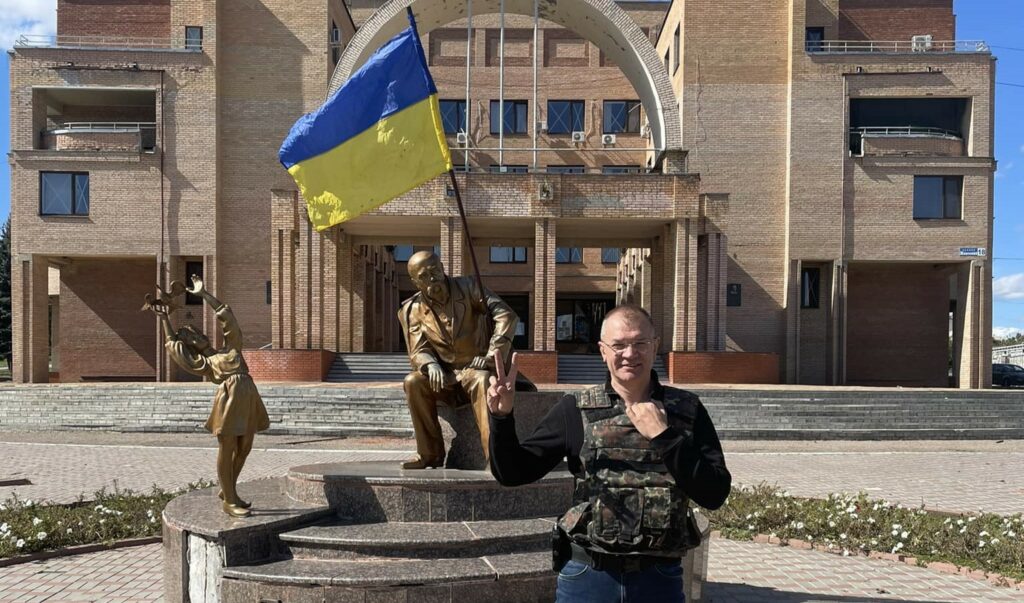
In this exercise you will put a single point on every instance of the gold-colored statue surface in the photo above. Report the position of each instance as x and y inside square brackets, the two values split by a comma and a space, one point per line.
[451, 349]
[238, 411]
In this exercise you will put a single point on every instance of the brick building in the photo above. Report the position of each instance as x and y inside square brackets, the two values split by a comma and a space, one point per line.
[801, 197]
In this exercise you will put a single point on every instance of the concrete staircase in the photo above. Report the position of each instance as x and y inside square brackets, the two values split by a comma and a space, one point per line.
[591, 369]
[368, 367]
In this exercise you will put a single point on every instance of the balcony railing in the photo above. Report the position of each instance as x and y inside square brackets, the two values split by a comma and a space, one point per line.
[105, 42]
[145, 132]
[904, 132]
[900, 47]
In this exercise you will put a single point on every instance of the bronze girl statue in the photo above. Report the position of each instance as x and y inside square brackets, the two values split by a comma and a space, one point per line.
[238, 411]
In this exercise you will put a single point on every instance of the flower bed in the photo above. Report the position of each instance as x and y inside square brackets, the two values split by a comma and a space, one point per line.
[857, 525]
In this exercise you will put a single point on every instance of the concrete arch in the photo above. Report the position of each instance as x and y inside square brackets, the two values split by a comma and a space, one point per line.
[599, 21]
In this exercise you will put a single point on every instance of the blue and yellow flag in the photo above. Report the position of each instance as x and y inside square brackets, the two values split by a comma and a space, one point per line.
[379, 136]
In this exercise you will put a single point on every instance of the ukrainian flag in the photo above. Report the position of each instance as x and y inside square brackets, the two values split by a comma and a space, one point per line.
[379, 136]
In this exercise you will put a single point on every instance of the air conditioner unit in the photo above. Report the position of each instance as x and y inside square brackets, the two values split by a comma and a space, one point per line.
[462, 139]
[645, 131]
[545, 192]
[579, 137]
[542, 126]
[921, 43]
[607, 139]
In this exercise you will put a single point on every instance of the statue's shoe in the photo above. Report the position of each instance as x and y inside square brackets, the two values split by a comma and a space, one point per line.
[421, 463]
[235, 511]
[240, 503]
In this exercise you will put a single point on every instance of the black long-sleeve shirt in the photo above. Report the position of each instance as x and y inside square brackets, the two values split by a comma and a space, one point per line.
[695, 460]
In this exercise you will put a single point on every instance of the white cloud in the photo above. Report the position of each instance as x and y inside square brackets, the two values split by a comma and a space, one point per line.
[1003, 168]
[1005, 332]
[1009, 287]
[36, 17]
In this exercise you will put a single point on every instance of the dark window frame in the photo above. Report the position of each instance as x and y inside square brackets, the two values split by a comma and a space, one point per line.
[75, 179]
[814, 38]
[192, 42]
[631, 108]
[575, 255]
[520, 113]
[514, 258]
[566, 169]
[575, 109]
[460, 117]
[950, 201]
[622, 169]
[675, 50]
[810, 287]
[509, 169]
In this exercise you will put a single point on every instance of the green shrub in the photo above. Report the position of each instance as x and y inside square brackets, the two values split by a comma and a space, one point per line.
[855, 524]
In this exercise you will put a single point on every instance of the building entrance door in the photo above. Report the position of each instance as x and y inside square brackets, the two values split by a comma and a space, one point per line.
[578, 322]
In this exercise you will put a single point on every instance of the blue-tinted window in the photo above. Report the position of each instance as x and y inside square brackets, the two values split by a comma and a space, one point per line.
[565, 116]
[193, 37]
[568, 255]
[402, 253]
[566, 169]
[810, 287]
[516, 117]
[937, 197]
[610, 255]
[63, 194]
[622, 169]
[508, 255]
[453, 116]
[813, 38]
[509, 169]
[621, 117]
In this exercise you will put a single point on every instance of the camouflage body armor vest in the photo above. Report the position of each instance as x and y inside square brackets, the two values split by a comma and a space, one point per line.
[625, 500]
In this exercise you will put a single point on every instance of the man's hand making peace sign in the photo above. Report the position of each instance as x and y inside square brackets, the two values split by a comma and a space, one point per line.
[502, 390]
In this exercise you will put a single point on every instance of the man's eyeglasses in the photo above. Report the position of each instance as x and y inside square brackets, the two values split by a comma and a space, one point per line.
[640, 347]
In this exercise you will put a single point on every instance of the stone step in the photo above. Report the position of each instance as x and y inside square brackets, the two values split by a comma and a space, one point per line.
[871, 434]
[493, 578]
[419, 540]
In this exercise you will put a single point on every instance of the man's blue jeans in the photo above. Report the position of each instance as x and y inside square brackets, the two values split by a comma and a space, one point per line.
[580, 583]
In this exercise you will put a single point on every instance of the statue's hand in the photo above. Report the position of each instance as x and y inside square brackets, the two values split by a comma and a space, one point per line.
[435, 374]
[480, 362]
[197, 285]
[502, 391]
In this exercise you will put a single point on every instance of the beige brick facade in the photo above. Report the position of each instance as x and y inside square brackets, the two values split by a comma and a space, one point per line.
[762, 188]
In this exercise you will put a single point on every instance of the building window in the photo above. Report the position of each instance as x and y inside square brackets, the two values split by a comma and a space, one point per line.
[938, 197]
[401, 253]
[675, 51]
[610, 255]
[508, 255]
[516, 117]
[813, 39]
[335, 43]
[193, 37]
[453, 116]
[734, 295]
[667, 52]
[810, 287]
[270, 293]
[565, 116]
[622, 169]
[621, 117]
[508, 169]
[566, 169]
[195, 268]
[64, 193]
[568, 255]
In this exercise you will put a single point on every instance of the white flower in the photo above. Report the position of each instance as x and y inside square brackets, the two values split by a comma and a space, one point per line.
[3, 507]
[1011, 533]
[959, 522]
[972, 518]
[897, 526]
[4, 527]
[750, 527]
[749, 515]
[851, 508]
[41, 536]
[846, 552]
[981, 544]
[904, 534]
[69, 530]
[963, 529]
[871, 520]
[995, 541]
[831, 524]
[874, 541]
[800, 525]
[103, 521]
[894, 532]
[36, 521]
[20, 543]
[983, 533]
[842, 536]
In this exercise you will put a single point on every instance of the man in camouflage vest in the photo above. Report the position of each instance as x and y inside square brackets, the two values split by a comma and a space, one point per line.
[640, 452]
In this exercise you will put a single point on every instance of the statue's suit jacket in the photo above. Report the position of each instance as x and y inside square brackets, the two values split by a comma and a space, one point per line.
[455, 347]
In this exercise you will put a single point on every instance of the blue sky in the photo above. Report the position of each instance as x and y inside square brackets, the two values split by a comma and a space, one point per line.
[998, 22]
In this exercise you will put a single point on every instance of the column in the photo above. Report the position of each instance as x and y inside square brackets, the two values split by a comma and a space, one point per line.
[837, 325]
[680, 294]
[329, 291]
[453, 246]
[544, 281]
[973, 295]
[793, 323]
[346, 283]
[714, 295]
[30, 302]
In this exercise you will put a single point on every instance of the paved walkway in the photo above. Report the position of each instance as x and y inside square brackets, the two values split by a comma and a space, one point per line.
[739, 572]
[952, 476]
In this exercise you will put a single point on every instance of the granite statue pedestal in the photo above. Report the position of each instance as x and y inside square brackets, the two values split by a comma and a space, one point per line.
[372, 531]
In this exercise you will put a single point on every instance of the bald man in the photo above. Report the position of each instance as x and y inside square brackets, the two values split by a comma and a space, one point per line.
[451, 349]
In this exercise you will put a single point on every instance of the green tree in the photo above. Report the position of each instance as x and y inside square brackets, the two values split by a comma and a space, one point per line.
[5, 292]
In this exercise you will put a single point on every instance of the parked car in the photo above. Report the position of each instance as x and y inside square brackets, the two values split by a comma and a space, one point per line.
[1007, 375]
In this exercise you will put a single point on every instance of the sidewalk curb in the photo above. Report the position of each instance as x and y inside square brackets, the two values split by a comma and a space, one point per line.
[79, 550]
[943, 567]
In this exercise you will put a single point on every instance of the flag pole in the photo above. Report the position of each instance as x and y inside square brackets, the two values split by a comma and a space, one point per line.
[465, 228]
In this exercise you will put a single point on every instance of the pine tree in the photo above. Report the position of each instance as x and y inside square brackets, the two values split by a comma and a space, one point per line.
[5, 292]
